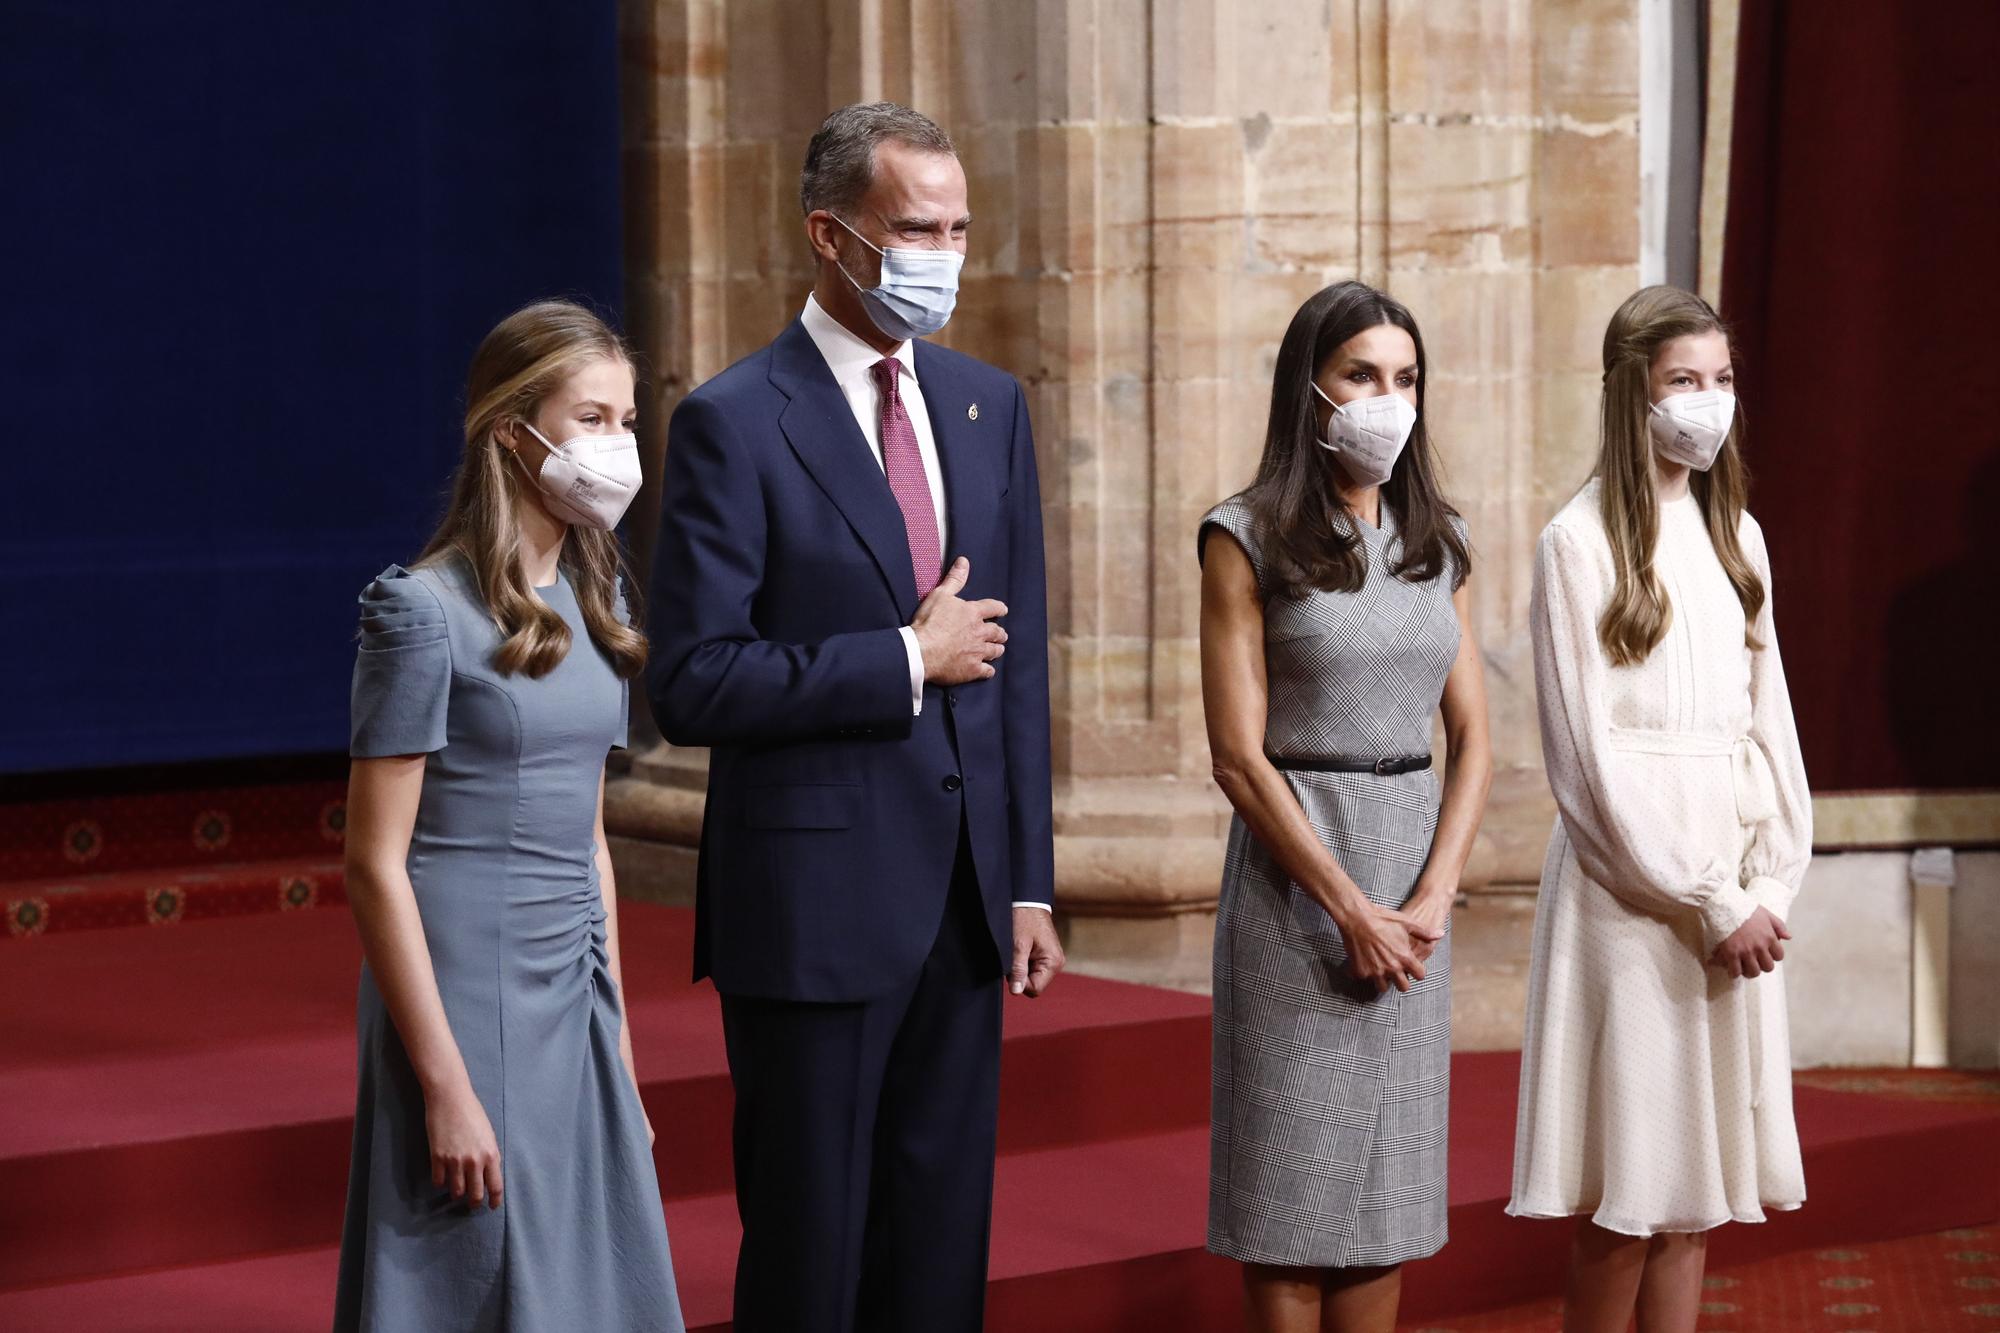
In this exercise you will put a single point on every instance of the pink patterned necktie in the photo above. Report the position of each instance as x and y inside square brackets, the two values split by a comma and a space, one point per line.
[905, 466]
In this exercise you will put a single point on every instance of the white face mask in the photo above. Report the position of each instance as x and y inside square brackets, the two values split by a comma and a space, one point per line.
[1367, 435]
[589, 480]
[1689, 428]
[916, 293]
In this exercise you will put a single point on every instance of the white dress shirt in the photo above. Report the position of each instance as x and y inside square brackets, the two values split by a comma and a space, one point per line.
[852, 362]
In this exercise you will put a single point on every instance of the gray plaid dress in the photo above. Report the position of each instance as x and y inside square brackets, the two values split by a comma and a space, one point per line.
[1328, 1129]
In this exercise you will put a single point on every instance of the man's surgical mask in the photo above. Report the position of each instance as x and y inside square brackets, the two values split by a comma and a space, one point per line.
[917, 291]
[588, 480]
[1367, 435]
[1689, 428]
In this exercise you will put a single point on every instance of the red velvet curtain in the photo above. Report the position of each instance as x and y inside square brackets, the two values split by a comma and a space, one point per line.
[1862, 274]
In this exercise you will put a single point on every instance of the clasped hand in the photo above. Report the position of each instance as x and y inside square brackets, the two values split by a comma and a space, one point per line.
[1757, 947]
[1387, 948]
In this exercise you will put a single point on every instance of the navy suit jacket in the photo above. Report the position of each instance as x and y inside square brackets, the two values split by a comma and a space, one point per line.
[780, 588]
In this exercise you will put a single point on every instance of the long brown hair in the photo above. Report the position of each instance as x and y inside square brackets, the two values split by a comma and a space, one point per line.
[1639, 613]
[527, 357]
[1311, 541]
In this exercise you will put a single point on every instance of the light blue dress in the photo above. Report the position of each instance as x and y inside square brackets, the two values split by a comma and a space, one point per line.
[503, 862]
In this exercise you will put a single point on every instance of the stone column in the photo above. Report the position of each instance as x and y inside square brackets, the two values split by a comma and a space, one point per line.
[1156, 187]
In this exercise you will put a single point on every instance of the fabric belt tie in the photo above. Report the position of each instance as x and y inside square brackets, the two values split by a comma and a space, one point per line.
[1749, 771]
[1756, 801]
[1756, 788]
[1753, 1014]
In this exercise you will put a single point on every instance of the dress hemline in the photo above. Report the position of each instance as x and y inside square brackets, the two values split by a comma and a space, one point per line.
[1643, 1230]
[1422, 1248]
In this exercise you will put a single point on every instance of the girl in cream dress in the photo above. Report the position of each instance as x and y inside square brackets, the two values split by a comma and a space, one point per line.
[1656, 1067]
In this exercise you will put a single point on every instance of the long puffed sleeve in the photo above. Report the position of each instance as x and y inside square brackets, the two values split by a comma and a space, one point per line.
[402, 673]
[1623, 833]
[1781, 846]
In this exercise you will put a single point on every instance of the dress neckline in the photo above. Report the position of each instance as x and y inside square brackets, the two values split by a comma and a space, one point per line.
[1383, 524]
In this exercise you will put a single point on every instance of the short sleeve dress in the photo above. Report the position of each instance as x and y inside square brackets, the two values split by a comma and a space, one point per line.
[504, 867]
[1655, 1090]
[1330, 1102]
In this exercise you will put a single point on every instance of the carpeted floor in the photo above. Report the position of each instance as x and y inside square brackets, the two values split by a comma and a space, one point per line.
[173, 1148]
[1948, 1282]
[174, 1133]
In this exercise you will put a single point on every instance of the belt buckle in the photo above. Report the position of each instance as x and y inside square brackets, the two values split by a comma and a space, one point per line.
[1385, 768]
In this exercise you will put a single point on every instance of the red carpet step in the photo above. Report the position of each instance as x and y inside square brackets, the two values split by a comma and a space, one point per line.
[101, 835]
[187, 1096]
[173, 1146]
[1100, 1242]
[160, 858]
[169, 897]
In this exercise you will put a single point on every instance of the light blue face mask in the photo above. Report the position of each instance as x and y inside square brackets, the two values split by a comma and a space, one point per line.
[917, 292]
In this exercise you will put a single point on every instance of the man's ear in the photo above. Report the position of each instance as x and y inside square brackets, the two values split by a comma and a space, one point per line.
[823, 235]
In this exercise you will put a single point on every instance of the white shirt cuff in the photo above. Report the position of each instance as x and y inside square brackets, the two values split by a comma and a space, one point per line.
[916, 671]
[1040, 907]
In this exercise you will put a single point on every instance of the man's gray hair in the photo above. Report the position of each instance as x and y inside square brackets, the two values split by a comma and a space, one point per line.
[840, 161]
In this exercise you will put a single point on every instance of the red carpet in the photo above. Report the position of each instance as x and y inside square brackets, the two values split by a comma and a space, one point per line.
[159, 858]
[1948, 1282]
[173, 1144]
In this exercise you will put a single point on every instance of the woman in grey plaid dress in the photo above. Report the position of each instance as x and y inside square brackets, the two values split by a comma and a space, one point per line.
[1334, 623]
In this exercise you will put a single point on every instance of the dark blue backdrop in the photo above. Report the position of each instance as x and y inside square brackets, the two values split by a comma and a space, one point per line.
[249, 248]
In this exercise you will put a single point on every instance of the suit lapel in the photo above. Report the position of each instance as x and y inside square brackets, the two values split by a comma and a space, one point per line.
[961, 442]
[820, 427]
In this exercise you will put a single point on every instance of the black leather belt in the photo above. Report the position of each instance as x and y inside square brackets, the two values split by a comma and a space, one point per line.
[1381, 768]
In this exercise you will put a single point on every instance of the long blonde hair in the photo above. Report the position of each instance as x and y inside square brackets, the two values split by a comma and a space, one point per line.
[1639, 613]
[527, 357]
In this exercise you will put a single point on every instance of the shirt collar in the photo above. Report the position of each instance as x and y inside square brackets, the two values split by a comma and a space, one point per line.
[850, 359]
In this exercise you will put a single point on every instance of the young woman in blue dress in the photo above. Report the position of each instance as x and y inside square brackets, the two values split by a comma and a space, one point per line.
[502, 1175]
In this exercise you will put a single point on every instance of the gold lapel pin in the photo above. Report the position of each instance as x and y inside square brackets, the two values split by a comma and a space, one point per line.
[972, 413]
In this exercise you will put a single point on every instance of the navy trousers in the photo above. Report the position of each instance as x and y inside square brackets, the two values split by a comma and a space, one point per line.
[864, 1141]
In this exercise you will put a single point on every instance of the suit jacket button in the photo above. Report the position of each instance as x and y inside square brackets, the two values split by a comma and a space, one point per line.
[952, 782]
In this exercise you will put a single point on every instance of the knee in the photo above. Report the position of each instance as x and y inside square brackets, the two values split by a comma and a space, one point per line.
[1280, 1275]
[1683, 1242]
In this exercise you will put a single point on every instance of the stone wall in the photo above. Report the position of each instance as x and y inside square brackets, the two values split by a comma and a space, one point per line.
[1156, 186]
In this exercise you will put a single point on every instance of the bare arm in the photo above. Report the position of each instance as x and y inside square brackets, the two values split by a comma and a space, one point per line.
[1468, 775]
[608, 887]
[382, 796]
[1235, 697]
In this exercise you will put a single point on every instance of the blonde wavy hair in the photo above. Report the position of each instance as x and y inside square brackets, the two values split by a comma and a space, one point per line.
[526, 358]
[1639, 613]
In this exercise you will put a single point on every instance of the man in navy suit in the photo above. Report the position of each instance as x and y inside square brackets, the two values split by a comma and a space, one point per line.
[848, 516]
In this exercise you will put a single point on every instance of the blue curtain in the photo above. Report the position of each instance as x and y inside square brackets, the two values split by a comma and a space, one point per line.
[250, 248]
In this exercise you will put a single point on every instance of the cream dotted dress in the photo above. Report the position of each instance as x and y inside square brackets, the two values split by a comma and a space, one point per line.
[1656, 1090]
